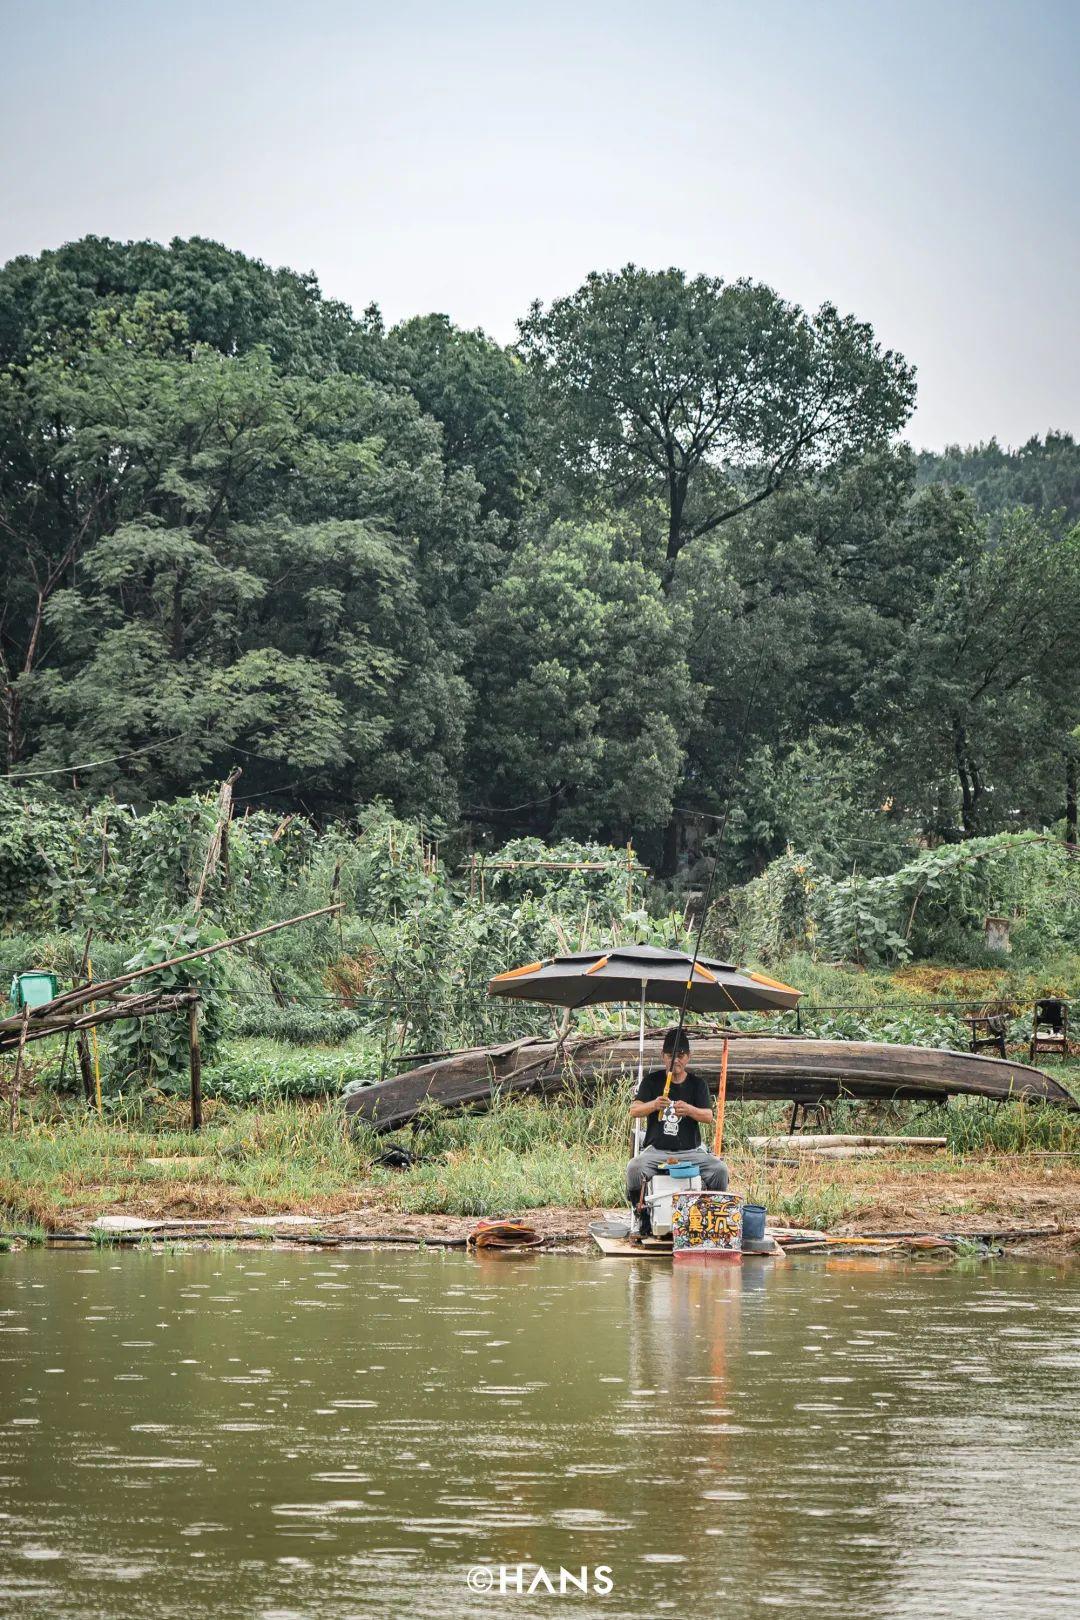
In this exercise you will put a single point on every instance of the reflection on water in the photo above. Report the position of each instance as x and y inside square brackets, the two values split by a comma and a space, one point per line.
[293, 1435]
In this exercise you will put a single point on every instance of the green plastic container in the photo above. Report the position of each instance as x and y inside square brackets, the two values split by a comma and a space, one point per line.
[33, 989]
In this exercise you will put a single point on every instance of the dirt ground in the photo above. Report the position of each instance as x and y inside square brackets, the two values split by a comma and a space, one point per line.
[1029, 1203]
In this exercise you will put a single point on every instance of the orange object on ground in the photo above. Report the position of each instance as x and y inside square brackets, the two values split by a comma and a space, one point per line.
[502, 1235]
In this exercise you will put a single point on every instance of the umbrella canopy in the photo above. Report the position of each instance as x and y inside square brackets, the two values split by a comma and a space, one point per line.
[644, 973]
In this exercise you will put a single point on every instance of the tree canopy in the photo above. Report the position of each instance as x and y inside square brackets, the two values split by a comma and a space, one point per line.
[664, 561]
[718, 394]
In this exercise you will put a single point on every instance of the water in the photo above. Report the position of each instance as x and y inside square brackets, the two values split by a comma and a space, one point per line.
[293, 1434]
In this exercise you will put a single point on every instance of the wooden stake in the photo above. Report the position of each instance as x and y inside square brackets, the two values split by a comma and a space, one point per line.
[218, 847]
[94, 1044]
[195, 1061]
[82, 1047]
[721, 1098]
[97, 1069]
[67, 1037]
[18, 1069]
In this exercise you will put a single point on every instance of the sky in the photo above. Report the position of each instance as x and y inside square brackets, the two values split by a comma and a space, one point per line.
[913, 163]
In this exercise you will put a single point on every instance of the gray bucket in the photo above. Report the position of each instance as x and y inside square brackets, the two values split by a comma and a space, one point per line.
[753, 1222]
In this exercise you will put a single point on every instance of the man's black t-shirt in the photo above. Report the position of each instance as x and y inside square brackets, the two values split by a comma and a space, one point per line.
[671, 1132]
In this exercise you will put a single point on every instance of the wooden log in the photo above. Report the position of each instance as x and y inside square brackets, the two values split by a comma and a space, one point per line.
[761, 1069]
[811, 1144]
[195, 1063]
[107, 987]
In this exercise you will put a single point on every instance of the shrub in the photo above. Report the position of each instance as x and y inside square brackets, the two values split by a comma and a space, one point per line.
[262, 1073]
[297, 1023]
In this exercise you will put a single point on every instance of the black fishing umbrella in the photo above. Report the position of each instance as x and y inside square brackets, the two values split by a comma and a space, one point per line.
[644, 973]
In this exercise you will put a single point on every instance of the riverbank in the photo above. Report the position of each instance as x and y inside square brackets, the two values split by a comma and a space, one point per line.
[291, 1170]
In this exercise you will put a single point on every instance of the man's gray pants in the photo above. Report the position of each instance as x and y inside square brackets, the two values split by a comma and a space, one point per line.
[713, 1170]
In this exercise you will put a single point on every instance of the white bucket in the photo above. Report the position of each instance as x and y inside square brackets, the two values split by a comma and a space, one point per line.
[658, 1199]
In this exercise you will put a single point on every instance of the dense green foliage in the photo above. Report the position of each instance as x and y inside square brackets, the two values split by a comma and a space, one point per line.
[529, 590]
[1043, 474]
[333, 1004]
[933, 907]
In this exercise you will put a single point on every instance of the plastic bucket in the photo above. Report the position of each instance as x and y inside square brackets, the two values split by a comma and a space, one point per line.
[753, 1222]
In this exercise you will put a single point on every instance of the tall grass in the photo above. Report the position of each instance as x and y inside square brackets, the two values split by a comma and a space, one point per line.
[973, 1125]
[523, 1154]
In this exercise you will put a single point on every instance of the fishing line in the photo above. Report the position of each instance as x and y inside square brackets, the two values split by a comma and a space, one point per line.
[740, 748]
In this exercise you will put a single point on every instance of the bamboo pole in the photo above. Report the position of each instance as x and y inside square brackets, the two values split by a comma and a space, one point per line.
[143, 1006]
[94, 1046]
[67, 1037]
[18, 1070]
[721, 1099]
[195, 1063]
[218, 847]
[109, 987]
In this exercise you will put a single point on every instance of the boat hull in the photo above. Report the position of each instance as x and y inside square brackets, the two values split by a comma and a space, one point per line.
[760, 1068]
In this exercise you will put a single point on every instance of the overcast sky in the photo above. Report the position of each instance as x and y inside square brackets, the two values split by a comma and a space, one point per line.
[914, 162]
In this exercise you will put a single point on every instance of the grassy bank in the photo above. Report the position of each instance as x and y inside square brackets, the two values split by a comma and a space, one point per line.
[62, 1167]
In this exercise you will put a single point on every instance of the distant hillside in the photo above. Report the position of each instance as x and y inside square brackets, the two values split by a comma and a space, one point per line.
[1043, 474]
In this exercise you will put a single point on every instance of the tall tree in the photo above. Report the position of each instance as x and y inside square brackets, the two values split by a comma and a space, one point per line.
[478, 392]
[716, 393]
[984, 685]
[263, 569]
[582, 689]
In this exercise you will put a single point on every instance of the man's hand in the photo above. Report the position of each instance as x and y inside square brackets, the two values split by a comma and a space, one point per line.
[654, 1105]
[687, 1110]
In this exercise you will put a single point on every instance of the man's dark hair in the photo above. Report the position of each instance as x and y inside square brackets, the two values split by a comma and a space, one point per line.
[670, 1039]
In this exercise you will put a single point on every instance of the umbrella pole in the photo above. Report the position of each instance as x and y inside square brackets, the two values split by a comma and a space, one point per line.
[639, 1128]
[721, 1098]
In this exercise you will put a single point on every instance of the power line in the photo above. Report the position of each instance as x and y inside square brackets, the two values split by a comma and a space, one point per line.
[92, 764]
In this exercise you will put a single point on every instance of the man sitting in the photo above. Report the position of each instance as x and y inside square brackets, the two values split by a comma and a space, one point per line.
[674, 1123]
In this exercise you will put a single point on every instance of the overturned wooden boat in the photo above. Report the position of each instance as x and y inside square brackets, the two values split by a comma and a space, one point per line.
[760, 1068]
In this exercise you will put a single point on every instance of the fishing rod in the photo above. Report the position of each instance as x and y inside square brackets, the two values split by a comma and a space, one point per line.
[739, 752]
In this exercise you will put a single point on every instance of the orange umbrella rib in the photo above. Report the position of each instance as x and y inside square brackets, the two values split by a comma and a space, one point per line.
[603, 962]
[516, 973]
[774, 984]
[705, 974]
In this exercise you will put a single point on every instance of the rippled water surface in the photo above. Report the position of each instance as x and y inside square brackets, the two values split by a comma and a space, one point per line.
[303, 1434]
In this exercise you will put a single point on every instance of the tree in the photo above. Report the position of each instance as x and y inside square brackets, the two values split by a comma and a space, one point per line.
[255, 575]
[581, 687]
[984, 685]
[795, 609]
[477, 391]
[227, 300]
[718, 394]
[1044, 474]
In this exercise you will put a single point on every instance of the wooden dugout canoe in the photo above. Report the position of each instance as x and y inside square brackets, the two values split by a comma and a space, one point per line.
[760, 1068]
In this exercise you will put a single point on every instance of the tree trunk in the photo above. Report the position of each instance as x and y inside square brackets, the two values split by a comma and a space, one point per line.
[669, 859]
[177, 635]
[971, 787]
[676, 504]
[1072, 772]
